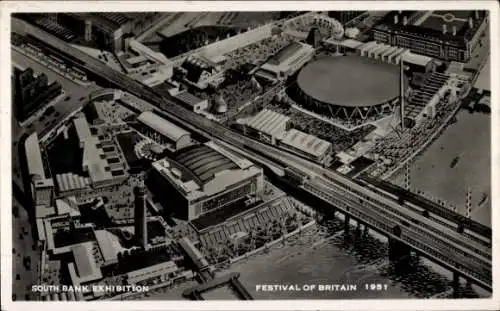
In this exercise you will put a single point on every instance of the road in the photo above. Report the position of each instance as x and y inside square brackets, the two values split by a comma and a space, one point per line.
[76, 94]
[382, 214]
[23, 247]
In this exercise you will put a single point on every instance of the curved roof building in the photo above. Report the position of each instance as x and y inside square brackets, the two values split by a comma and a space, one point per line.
[349, 87]
[175, 135]
[204, 177]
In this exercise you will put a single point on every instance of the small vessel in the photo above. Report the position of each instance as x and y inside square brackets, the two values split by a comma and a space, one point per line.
[483, 200]
[454, 162]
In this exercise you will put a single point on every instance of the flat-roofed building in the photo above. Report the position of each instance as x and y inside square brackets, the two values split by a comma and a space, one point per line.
[286, 62]
[42, 188]
[94, 160]
[85, 269]
[307, 146]
[109, 245]
[418, 63]
[164, 132]
[68, 206]
[267, 125]
[192, 102]
[203, 178]
[164, 270]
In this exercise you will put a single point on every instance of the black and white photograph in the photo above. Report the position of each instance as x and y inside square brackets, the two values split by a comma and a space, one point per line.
[201, 155]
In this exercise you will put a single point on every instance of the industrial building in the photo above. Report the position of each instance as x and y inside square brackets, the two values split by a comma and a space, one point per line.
[29, 93]
[307, 146]
[447, 35]
[203, 178]
[267, 125]
[163, 131]
[286, 62]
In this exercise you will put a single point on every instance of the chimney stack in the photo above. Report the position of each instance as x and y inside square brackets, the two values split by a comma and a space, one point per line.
[454, 30]
[471, 22]
[395, 19]
[445, 28]
[405, 20]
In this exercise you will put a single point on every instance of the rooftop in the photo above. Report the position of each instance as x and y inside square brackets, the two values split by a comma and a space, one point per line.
[204, 169]
[94, 160]
[144, 272]
[432, 25]
[85, 261]
[285, 53]
[416, 59]
[67, 206]
[162, 126]
[349, 81]
[269, 122]
[204, 162]
[34, 156]
[108, 244]
[188, 98]
[306, 142]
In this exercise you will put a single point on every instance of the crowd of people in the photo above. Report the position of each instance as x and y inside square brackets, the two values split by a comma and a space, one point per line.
[390, 151]
[258, 52]
[340, 139]
[257, 238]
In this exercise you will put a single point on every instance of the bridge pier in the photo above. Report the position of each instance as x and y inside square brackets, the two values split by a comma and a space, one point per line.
[358, 229]
[347, 219]
[456, 284]
[398, 250]
[366, 231]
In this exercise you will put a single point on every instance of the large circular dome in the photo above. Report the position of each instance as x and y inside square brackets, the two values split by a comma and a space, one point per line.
[349, 81]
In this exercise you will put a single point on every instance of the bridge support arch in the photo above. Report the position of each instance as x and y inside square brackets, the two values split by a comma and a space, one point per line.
[398, 250]
[456, 284]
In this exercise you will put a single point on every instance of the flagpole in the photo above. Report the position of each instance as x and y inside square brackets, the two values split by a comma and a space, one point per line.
[401, 94]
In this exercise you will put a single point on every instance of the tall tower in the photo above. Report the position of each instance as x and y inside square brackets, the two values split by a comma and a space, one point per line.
[468, 203]
[407, 178]
[140, 218]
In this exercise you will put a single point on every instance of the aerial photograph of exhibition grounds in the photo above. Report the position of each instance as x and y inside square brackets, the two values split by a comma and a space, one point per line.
[251, 155]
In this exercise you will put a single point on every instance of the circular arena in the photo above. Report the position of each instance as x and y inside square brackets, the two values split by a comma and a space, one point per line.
[351, 88]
